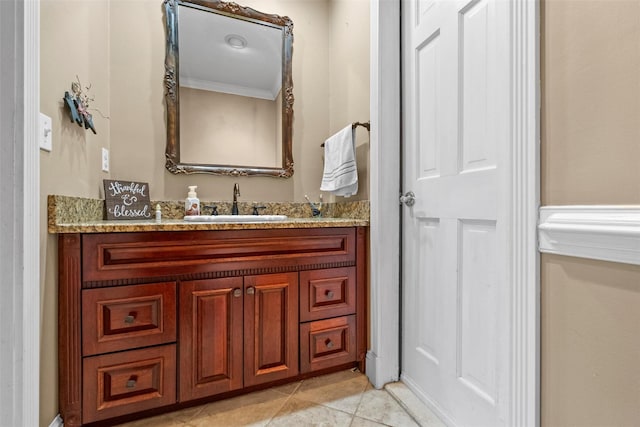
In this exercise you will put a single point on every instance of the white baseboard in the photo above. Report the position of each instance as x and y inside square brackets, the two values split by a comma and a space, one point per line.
[372, 372]
[379, 372]
[608, 233]
[57, 422]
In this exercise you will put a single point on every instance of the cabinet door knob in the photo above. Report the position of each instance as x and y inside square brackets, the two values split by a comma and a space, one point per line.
[328, 343]
[251, 290]
[329, 294]
[131, 383]
[130, 318]
[237, 292]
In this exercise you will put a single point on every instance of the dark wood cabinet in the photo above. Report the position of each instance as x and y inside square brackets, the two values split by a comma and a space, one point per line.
[328, 301]
[131, 381]
[327, 293]
[211, 341]
[270, 328]
[150, 321]
[127, 317]
[326, 343]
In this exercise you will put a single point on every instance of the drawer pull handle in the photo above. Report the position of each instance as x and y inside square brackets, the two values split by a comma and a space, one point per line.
[329, 294]
[130, 318]
[237, 292]
[328, 343]
[251, 290]
[132, 382]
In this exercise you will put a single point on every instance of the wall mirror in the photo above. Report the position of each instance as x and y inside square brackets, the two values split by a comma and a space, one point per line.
[228, 90]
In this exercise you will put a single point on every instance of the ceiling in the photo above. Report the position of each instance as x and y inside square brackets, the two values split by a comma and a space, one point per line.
[209, 62]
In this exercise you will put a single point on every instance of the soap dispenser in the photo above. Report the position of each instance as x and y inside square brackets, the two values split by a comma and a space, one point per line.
[192, 203]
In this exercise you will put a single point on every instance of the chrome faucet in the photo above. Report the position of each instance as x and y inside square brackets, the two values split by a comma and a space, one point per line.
[236, 193]
[316, 208]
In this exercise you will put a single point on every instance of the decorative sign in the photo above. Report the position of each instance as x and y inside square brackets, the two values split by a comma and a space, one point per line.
[127, 199]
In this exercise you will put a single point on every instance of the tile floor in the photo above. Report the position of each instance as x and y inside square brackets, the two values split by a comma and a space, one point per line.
[341, 399]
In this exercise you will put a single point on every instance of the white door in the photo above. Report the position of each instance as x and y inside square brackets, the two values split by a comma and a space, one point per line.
[456, 296]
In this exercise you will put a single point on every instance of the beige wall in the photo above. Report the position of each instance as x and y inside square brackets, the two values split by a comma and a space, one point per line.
[590, 155]
[141, 49]
[74, 42]
[349, 86]
[225, 129]
[590, 343]
[331, 89]
[117, 46]
[591, 102]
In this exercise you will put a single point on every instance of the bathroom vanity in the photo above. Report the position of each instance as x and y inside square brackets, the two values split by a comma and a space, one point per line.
[157, 319]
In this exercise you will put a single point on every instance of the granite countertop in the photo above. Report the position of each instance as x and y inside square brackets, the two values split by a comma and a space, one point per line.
[80, 215]
[180, 225]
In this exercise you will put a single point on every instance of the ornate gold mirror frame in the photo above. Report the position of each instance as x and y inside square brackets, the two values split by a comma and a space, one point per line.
[172, 91]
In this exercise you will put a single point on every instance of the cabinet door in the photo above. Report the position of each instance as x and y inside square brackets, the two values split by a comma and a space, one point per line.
[210, 337]
[271, 327]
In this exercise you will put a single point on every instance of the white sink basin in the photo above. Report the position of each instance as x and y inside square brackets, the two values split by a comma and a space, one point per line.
[235, 218]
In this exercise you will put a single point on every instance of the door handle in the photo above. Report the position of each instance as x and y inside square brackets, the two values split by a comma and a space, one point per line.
[251, 290]
[237, 292]
[408, 199]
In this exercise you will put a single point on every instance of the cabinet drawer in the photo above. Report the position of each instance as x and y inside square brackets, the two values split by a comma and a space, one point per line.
[327, 293]
[127, 317]
[116, 256]
[126, 382]
[327, 343]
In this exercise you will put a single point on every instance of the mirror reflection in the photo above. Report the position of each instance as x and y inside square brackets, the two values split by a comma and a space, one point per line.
[231, 108]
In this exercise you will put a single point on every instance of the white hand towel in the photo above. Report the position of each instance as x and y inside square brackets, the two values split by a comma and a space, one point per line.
[340, 171]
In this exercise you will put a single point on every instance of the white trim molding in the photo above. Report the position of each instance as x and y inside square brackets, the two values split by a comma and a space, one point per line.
[383, 357]
[525, 200]
[57, 422]
[30, 212]
[608, 233]
[20, 212]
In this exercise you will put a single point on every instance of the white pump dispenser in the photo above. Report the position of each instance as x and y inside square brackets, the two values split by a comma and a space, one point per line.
[192, 203]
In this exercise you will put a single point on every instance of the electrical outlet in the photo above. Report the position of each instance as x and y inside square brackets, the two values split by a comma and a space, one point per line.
[45, 130]
[105, 160]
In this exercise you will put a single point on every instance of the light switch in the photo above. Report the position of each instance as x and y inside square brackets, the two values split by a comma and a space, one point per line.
[45, 130]
[105, 160]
